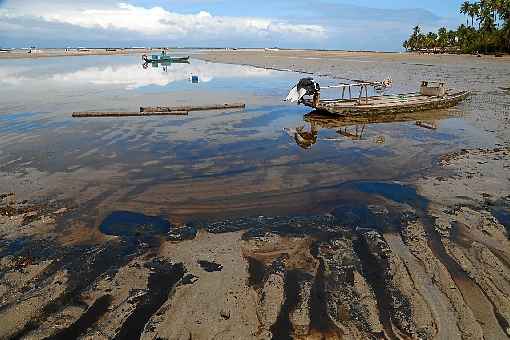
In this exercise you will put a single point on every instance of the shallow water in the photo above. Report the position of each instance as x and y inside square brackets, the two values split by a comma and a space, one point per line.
[125, 223]
[271, 159]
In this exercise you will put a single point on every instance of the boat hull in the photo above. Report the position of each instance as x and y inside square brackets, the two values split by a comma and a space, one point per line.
[166, 59]
[389, 104]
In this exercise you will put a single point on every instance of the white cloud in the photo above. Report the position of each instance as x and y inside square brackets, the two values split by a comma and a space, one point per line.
[156, 22]
[298, 24]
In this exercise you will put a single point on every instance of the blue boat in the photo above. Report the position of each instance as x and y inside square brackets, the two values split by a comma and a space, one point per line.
[164, 58]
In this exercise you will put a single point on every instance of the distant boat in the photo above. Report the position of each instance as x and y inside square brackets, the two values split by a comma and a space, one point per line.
[34, 49]
[164, 58]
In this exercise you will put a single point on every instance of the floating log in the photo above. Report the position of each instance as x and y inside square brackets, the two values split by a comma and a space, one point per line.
[192, 108]
[427, 125]
[128, 114]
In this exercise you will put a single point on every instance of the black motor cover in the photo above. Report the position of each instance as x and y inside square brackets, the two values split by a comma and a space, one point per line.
[309, 85]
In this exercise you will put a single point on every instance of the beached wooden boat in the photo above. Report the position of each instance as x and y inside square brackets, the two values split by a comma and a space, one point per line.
[432, 96]
[401, 103]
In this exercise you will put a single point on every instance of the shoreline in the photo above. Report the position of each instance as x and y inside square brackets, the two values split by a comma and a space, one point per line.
[57, 52]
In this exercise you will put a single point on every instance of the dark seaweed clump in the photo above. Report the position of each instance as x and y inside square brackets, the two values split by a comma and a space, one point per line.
[210, 266]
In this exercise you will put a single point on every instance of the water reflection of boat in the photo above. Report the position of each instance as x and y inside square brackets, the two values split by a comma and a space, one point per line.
[326, 121]
[354, 127]
[305, 139]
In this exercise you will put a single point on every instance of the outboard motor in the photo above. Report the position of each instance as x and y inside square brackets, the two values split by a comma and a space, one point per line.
[305, 87]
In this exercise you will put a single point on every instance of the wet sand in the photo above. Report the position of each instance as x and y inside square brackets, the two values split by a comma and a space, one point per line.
[397, 253]
[476, 180]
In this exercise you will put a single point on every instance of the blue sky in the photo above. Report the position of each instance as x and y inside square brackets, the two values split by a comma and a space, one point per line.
[328, 24]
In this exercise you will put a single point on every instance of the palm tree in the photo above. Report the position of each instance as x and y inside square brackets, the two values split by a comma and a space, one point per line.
[452, 39]
[413, 42]
[464, 9]
[504, 15]
[501, 9]
[442, 38]
[492, 34]
[485, 19]
[474, 10]
[506, 35]
[486, 16]
[463, 35]
[405, 45]
[431, 41]
[504, 10]
[416, 30]
[496, 6]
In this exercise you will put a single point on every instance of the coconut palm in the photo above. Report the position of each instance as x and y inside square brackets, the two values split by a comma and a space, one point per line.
[464, 9]
[452, 38]
[506, 36]
[416, 30]
[504, 10]
[463, 36]
[501, 10]
[492, 33]
[504, 16]
[442, 38]
[486, 16]
[405, 45]
[473, 11]
[413, 42]
[431, 41]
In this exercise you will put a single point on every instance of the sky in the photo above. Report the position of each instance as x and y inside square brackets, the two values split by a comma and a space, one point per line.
[325, 24]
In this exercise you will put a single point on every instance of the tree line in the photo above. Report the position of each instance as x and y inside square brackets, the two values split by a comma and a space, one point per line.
[487, 30]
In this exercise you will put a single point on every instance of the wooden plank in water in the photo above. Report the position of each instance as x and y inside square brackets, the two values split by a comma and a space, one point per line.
[128, 114]
[192, 108]
[427, 125]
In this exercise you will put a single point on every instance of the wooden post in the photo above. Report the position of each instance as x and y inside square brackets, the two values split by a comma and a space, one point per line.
[316, 99]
